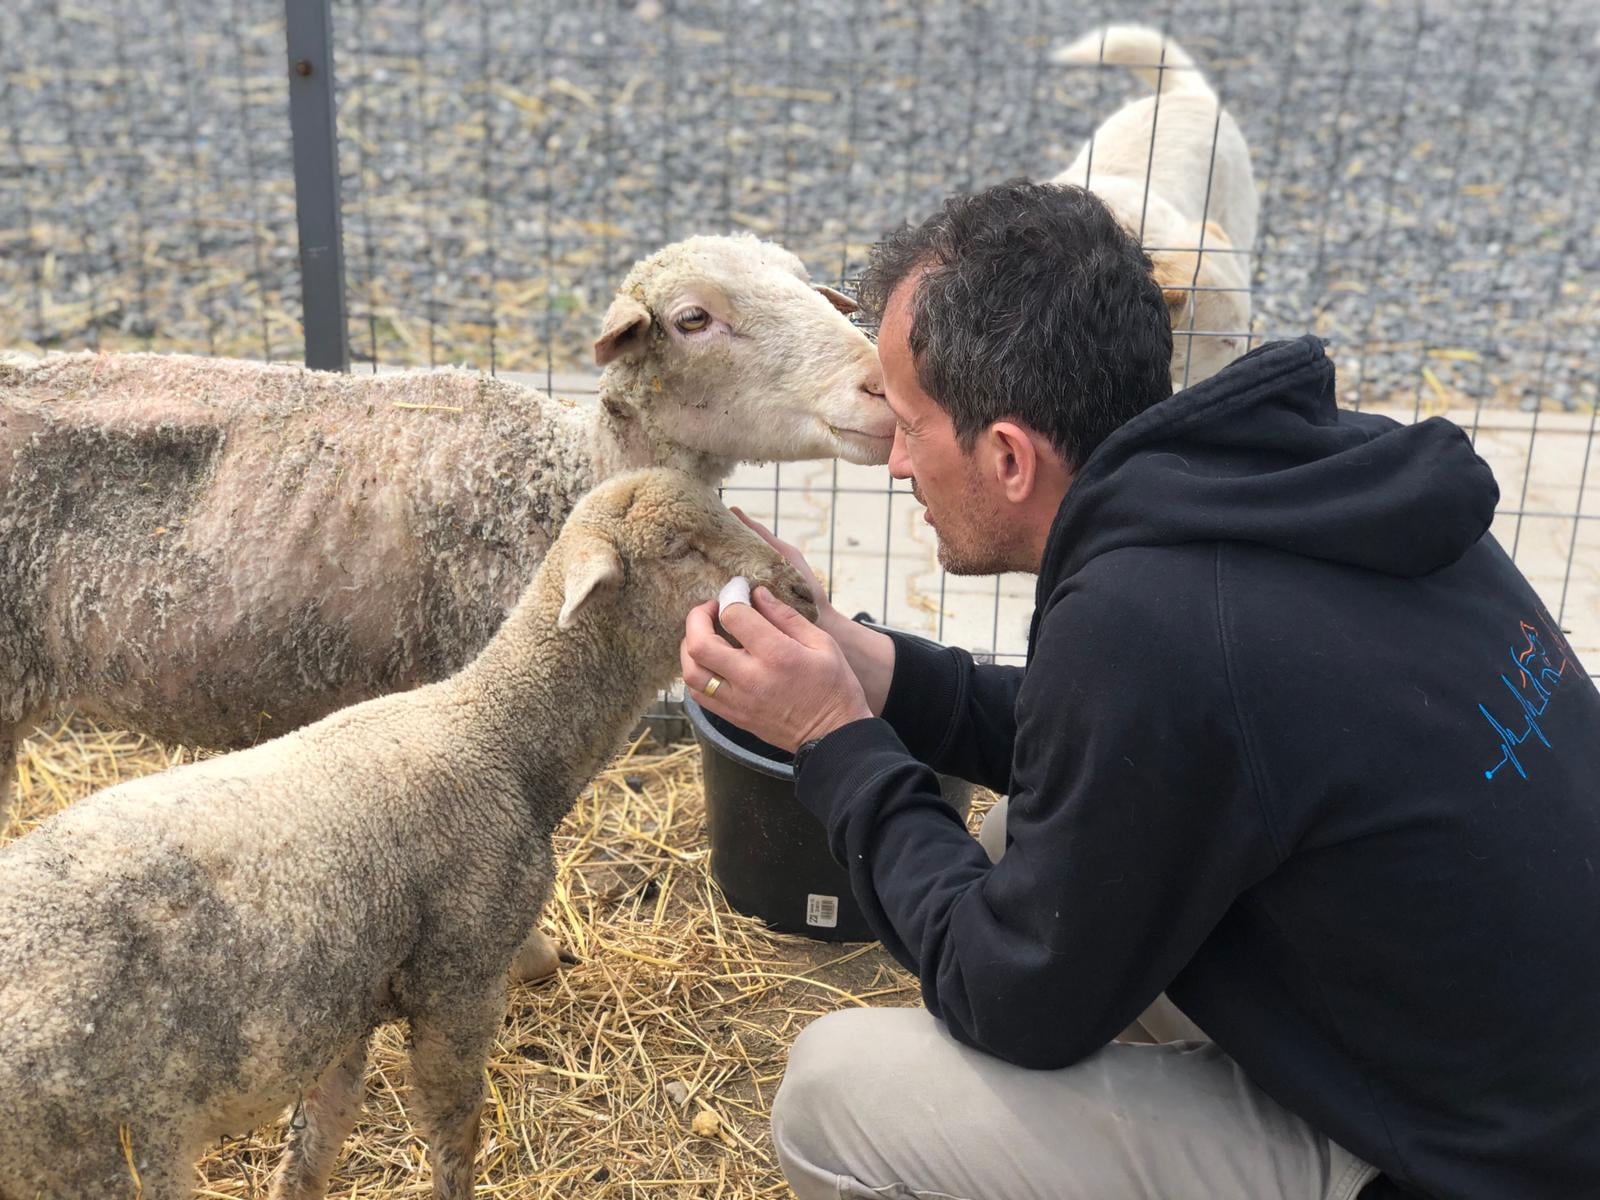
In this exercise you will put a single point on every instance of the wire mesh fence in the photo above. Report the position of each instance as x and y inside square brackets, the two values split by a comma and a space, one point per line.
[1427, 171]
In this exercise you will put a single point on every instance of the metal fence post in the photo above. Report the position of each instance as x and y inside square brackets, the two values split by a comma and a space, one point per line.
[316, 183]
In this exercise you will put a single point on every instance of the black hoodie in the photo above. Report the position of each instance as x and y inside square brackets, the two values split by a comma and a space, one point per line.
[1297, 744]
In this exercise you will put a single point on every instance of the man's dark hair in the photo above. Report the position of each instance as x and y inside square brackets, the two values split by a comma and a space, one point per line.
[1033, 305]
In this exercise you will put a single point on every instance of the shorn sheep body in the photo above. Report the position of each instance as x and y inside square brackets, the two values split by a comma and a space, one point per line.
[215, 552]
[190, 953]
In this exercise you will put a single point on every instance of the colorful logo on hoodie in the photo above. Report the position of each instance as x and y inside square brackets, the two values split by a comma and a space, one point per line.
[1536, 673]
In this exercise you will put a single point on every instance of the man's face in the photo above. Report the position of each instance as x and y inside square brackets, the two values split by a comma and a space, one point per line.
[959, 498]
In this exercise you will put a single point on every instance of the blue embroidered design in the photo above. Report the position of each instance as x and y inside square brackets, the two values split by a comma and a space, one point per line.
[1535, 678]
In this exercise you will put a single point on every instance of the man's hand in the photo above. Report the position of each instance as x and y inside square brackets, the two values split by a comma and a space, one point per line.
[788, 684]
[869, 653]
[827, 614]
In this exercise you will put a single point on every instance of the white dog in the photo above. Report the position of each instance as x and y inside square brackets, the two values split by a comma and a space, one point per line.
[1191, 200]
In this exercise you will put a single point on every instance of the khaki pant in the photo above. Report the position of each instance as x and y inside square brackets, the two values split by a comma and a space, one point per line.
[883, 1104]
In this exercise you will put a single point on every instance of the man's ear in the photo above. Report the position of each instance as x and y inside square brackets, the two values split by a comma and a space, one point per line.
[836, 298]
[623, 332]
[1015, 459]
[593, 566]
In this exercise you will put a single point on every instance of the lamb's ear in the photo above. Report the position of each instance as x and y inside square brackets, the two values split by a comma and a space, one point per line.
[593, 565]
[623, 333]
[837, 298]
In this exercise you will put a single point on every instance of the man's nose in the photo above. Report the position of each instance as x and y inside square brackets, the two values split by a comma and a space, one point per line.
[899, 459]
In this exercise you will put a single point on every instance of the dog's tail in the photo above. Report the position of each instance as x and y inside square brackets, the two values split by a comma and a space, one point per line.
[1157, 60]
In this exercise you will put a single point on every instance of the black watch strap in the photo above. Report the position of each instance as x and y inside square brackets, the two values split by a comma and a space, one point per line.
[800, 754]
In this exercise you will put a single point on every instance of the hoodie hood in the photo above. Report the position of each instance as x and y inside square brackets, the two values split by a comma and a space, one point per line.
[1260, 453]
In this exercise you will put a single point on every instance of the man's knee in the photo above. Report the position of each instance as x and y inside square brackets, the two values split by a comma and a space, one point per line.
[816, 1080]
[829, 1099]
[992, 832]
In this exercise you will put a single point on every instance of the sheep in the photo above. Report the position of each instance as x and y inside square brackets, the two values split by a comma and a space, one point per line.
[213, 552]
[210, 551]
[187, 954]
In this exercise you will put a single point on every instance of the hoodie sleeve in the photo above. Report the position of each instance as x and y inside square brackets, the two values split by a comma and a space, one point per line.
[951, 713]
[1133, 823]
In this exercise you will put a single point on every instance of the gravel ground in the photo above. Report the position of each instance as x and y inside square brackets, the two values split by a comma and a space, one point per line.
[1430, 186]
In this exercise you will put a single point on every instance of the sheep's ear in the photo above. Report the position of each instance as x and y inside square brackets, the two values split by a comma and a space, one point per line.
[592, 565]
[837, 298]
[623, 332]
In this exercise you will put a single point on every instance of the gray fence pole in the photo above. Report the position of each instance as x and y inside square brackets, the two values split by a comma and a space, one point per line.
[316, 183]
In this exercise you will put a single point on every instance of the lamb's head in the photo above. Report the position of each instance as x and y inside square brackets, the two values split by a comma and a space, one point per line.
[724, 346]
[645, 547]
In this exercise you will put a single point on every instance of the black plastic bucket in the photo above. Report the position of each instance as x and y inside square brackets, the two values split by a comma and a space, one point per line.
[768, 854]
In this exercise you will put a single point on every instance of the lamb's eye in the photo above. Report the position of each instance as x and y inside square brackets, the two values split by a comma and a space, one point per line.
[692, 320]
[678, 548]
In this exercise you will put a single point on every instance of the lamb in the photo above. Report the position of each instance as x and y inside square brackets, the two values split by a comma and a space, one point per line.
[214, 552]
[1190, 196]
[187, 954]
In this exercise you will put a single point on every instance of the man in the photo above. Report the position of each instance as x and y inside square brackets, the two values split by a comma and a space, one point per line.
[1297, 751]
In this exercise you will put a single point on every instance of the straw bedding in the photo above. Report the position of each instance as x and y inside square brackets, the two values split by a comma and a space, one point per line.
[603, 1078]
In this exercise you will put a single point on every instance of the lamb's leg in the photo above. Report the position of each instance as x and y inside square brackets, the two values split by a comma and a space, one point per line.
[537, 958]
[102, 1170]
[327, 1114]
[8, 768]
[448, 1052]
[169, 1181]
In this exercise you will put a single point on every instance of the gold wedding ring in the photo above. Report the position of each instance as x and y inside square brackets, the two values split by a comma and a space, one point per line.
[711, 687]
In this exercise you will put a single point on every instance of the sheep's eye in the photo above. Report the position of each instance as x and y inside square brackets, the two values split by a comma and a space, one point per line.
[692, 320]
[678, 548]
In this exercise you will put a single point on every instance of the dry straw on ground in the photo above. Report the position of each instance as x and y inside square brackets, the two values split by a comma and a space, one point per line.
[599, 1084]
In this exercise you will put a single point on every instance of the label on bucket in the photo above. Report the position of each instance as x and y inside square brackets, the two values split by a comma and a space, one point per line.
[822, 911]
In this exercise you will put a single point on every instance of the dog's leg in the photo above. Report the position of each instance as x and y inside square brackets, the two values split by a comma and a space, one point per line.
[323, 1121]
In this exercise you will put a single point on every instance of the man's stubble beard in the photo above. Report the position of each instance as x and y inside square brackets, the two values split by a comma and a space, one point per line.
[982, 543]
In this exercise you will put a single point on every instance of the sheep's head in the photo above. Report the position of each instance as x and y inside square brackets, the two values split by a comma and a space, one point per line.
[645, 547]
[724, 346]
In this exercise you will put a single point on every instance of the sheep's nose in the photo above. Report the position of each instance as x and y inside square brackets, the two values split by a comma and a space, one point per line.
[873, 387]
